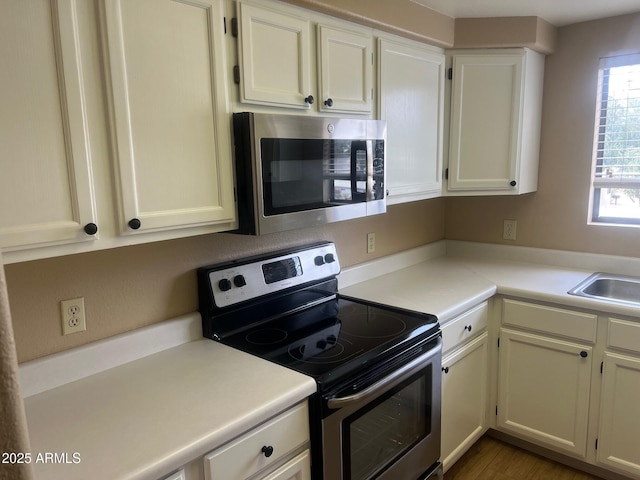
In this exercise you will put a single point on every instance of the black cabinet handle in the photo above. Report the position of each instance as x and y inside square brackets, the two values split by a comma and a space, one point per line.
[445, 369]
[309, 100]
[584, 354]
[134, 224]
[468, 327]
[513, 183]
[267, 450]
[90, 229]
[329, 102]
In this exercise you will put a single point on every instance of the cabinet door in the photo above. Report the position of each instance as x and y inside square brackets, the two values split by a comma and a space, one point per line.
[275, 53]
[298, 468]
[411, 101]
[464, 398]
[619, 420]
[543, 390]
[46, 192]
[486, 108]
[345, 63]
[172, 133]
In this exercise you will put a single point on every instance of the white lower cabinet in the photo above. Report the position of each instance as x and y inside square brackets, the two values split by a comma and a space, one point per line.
[273, 451]
[544, 386]
[619, 427]
[464, 393]
[544, 379]
[464, 382]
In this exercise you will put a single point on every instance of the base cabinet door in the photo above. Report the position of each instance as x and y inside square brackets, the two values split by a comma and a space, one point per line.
[619, 430]
[464, 398]
[543, 390]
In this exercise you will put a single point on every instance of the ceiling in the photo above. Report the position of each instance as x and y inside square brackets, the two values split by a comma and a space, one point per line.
[556, 12]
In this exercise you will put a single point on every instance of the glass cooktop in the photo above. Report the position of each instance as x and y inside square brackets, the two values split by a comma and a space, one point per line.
[334, 338]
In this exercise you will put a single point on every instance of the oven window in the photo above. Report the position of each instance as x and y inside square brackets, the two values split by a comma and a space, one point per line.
[384, 430]
[304, 174]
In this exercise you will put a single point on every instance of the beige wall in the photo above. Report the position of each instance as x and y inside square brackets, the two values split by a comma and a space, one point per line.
[130, 287]
[556, 215]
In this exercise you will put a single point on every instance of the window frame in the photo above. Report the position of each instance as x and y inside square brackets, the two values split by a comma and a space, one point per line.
[597, 183]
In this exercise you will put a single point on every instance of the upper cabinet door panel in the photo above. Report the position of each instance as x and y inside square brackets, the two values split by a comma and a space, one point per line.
[46, 193]
[170, 110]
[274, 51]
[345, 70]
[411, 101]
[485, 120]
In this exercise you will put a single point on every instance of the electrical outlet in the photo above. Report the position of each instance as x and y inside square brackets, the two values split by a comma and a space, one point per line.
[72, 314]
[371, 242]
[509, 232]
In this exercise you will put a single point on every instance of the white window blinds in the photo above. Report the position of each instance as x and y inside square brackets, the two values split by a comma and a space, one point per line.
[617, 136]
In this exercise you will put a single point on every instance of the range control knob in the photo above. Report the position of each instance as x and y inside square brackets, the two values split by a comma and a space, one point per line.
[319, 260]
[224, 284]
[239, 281]
[321, 344]
[329, 258]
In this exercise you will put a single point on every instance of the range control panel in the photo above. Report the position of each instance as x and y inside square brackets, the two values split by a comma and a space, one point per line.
[233, 284]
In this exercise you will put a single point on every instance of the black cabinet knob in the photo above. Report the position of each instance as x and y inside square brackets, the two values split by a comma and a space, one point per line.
[329, 102]
[445, 369]
[267, 450]
[134, 224]
[468, 328]
[309, 100]
[584, 354]
[513, 183]
[90, 229]
[224, 284]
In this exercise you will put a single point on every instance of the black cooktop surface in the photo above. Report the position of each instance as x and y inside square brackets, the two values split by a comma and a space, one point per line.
[335, 338]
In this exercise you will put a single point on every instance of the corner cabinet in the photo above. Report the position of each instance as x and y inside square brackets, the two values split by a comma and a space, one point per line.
[46, 185]
[464, 382]
[169, 99]
[494, 137]
[282, 54]
[411, 77]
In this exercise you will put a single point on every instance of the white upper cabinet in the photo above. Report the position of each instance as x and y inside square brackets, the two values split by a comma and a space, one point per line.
[286, 61]
[411, 101]
[494, 137]
[275, 58]
[170, 109]
[46, 188]
[341, 51]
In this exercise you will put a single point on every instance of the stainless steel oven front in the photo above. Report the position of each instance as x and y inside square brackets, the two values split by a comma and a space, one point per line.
[390, 429]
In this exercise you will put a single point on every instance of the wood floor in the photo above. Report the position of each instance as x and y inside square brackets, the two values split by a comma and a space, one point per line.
[491, 459]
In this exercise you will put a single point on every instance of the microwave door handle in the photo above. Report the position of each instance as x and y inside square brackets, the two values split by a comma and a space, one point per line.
[415, 364]
[356, 146]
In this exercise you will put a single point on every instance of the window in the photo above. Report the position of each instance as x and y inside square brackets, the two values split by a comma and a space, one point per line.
[615, 193]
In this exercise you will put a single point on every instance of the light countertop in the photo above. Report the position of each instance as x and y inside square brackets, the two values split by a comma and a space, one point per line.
[146, 418]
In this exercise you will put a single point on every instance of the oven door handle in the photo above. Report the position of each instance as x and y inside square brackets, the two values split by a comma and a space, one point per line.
[340, 402]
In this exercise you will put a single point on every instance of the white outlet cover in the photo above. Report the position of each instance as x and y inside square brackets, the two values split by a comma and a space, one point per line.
[73, 316]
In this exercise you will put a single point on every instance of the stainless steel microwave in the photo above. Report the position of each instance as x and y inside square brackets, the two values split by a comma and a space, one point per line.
[294, 172]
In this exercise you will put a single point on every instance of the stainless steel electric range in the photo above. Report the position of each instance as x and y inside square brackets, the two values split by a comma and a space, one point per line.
[376, 414]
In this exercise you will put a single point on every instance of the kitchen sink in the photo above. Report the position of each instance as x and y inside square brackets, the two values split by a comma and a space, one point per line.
[606, 286]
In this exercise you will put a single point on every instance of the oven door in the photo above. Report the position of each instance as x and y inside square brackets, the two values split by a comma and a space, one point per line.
[389, 430]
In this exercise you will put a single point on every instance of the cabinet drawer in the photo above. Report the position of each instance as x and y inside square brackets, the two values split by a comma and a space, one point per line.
[465, 326]
[623, 334]
[244, 456]
[558, 321]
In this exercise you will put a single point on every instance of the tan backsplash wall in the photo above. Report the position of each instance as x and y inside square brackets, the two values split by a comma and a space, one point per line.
[556, 215]
[131, 287]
